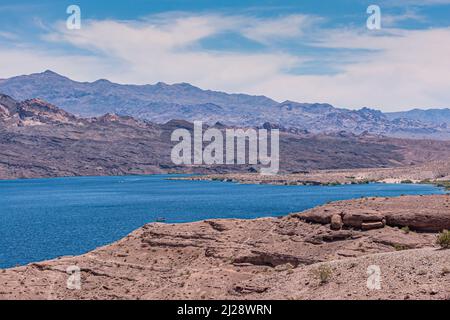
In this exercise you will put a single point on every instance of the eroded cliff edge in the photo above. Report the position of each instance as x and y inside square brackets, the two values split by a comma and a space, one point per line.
[309, 255]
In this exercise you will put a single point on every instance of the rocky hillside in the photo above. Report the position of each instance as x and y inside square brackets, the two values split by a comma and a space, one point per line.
[440, 117]
[146, 101]
[162, 102]
[326, 253]
[38, 139]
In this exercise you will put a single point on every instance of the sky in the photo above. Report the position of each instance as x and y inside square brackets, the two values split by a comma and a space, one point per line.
[302, 50]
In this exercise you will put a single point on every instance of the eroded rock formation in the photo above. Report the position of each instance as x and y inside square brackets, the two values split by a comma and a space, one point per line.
[415, 212]
[265, 258]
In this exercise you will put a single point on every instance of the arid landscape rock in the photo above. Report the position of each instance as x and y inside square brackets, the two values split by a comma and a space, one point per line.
[162, 102]
[420, 213]
[38, 139]
[323, 253]
[293, 257]
[428, 172]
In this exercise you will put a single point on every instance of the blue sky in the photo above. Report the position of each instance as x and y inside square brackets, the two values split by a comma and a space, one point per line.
[308, 51]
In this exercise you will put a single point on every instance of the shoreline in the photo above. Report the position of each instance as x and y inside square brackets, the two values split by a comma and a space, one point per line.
[94, 176]
[436, 174]
[338, 194]
[394, 175]
[258, 258]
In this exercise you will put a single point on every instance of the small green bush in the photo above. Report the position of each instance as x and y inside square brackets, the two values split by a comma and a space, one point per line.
[324, 274]
[444, 184]
[443, 239]
[400, 247]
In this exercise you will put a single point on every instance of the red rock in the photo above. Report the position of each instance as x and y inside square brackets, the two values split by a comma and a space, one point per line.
[372, 225]
[336, 222]
[356, 219]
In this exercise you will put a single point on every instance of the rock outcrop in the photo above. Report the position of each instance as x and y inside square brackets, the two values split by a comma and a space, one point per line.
[38, 139]
[336, 222]
[268, 258]
[420, 213]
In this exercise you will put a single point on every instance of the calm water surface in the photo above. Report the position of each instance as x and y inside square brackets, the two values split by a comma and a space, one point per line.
[45, 218]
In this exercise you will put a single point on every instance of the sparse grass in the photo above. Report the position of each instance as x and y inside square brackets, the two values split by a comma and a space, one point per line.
[441, 184]
[443, 239]
[323, 273]
[444, 184]
[400, 247]
[406, 229]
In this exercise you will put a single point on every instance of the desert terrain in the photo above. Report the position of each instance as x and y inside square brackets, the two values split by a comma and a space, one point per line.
[322, 253]
[40, 140]
[437, 172]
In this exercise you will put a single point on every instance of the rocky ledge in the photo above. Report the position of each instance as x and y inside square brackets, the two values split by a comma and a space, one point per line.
[373, 213]
[325, 253]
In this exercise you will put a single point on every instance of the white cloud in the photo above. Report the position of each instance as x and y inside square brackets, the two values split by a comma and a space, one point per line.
[289, 27]
[400, 70]
[410, 69]
[165, 50]
[389, 20]
[25, 60]
[8, 35]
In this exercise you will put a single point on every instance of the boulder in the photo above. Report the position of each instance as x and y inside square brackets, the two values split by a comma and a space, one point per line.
[429, 221]
[336, 222]
[357, 218]
[372, 225]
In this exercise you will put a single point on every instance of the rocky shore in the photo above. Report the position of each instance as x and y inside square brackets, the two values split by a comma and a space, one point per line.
[324, 253]
[437, 172]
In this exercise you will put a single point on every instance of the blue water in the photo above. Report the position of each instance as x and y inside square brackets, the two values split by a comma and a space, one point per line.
[45, 218]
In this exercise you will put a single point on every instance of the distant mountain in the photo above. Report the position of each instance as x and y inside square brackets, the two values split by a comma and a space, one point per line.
[38, 139]
[440, 117]
[326, 118]
[162, 102]
[143, 101]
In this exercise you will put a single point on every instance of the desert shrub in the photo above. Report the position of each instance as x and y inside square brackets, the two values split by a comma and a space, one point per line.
[443, 239]
[405, 229]
[324, 274]
[444, 184]
[400, 247]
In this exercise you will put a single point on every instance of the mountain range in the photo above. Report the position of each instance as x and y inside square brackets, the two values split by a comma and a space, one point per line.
[162, 102]
[38, 139]
[434, 116]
